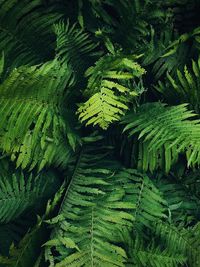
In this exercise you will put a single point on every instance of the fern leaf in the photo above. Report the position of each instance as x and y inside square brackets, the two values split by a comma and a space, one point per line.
[150, 205]
[185, 241]
[73, 46]
[152, 255]
[164, 133]
[32, 128]
[183, 205]
[98, 206]
[108, 89]
[28, 251]
[20, 23]
[183, 87]
[20, 192]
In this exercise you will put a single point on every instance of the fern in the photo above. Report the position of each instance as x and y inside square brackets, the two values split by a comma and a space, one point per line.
[165, 132]
[27, 252]
[73, 47]
[106, 204]
[128, 23]
[32, 128]
[13, 232]
[108, 89]
[92, 242]
[149, 203]
[186, 241]
[20, 22]
[152, 255]
[184, 87]
[183, 206]
[178, 53]
[20, 192]
[191, 182]
[130, 193]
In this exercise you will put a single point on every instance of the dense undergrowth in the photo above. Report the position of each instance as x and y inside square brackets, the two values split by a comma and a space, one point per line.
[99, 133]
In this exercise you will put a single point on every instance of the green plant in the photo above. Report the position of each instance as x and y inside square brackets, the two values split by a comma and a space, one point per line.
[99, 133]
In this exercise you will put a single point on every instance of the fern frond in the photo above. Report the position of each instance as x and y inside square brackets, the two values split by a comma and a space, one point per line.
[149, 201]
[164, 133]
[32, 129]
[182, 240]
[184, 87]
[109, 89]
[14, 231]
[26, 35]
[98, 206]
[183, 205]
[178, 53]
[151, 255]
[74, 47]
[28, 252]
[20, 192]
[128, 23]
[93, 241]
[191, 181]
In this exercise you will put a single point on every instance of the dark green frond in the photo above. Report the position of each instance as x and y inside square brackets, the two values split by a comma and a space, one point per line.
[28, 250]
[26, 34]
[152, 255]
[183, 205]
[178, 53]
[164, 132]
[74, 47]
[182, 240]
[98, 206]
[184, 87]
[20, 192]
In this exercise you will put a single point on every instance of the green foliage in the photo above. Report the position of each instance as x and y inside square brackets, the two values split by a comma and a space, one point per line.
[180, 200]
[106, 204]
[164, 133]
[32, 128]
[130, 181]
[73, 47]
[21, 23]
[20, 192]
[28, 249]
[110, 88]
[184, 88]
[177, 53]
[185, 241]
[27, 253]
[152, 255]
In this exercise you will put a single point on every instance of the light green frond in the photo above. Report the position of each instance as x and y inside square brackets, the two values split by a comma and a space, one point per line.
[32, 129]
[110, 88]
